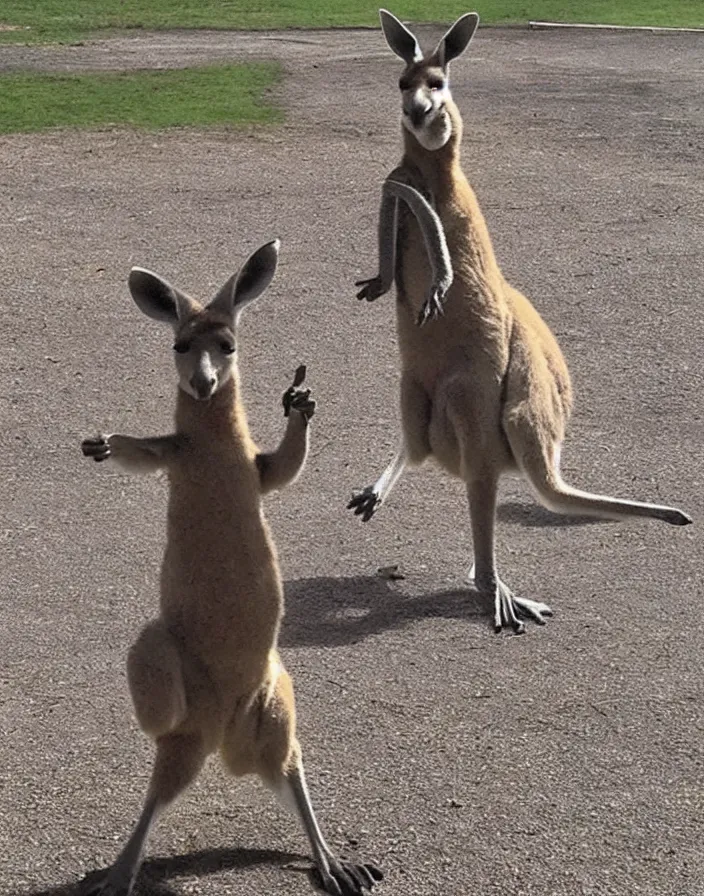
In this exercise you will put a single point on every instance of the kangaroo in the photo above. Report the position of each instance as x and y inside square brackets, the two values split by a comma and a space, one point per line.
[205, 675]
[484, 385]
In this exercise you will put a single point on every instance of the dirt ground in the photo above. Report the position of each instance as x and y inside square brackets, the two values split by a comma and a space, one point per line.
[565, 761]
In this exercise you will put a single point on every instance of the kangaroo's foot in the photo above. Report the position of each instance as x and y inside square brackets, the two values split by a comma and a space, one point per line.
[346, 878]
[108, 883]
[329, 874]
[365, 503]
[512, 610]
[509, 609]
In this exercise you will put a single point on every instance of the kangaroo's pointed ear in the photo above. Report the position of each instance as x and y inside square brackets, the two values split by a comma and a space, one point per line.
[249, 282]
[157, 298]
[457, 39]
[399, 38]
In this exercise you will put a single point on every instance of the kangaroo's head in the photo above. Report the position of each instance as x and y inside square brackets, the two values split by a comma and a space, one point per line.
[424, 83]
[205, 335]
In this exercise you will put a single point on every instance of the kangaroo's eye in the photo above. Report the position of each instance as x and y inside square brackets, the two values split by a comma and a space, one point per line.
[181, 347]
[435, 85]
[227, 348]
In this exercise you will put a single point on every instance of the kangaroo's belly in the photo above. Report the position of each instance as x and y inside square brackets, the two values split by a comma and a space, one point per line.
[221, 591]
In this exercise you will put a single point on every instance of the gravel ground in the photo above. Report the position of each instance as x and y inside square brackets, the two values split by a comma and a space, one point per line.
[566, 761]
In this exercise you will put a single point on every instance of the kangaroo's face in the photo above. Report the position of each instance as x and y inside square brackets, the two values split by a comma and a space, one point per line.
[204, 346]
[424, 83]
[425, 93]
[204, 350]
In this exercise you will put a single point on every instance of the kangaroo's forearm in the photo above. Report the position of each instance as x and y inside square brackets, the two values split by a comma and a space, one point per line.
[431, 228]
[388, 229]
[144, 455]
[278, 468]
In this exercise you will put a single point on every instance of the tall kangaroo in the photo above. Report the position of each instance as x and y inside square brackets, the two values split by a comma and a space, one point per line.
[484, 385]
[205, 675]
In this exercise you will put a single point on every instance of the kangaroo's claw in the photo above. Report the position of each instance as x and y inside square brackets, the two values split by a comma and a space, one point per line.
[432, 308]
[299, 376]
[346, 879]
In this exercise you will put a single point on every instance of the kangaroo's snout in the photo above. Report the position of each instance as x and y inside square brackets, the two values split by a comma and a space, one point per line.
[203, 386]
[417, 107]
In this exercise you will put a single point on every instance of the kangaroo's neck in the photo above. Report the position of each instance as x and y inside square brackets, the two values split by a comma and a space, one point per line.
[442, 176]
[219, 418]
[440, 169]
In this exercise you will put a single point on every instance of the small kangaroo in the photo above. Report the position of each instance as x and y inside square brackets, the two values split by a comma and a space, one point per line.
[484, 386]
[206, 675]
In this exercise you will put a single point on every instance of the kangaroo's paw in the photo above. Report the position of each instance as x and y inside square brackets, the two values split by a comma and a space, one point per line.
[432, 308]
[299, 400]
[512, 610]
[295, 399]
[371, 289]
[365, 503]
[97, 448]
[346, 879]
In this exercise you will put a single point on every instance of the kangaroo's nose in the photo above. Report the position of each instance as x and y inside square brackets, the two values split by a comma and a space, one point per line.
[417, 106]
[203, 386]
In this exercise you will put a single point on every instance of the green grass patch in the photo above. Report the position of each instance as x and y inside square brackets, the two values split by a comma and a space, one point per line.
[198, 97]
[66, 20]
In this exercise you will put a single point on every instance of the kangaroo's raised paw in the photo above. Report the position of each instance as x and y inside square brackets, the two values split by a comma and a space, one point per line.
[365, 503]
[295, 399]
[432, 308]
[97, 448]
[346, 879]
[299, 400]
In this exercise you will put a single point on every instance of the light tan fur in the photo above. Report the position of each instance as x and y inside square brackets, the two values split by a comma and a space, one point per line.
[484, 386]
[206, 675]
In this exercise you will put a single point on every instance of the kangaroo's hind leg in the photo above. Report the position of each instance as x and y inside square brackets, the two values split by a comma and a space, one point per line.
[262, 738]
[158, 690]
[509, 609]
[468, 440]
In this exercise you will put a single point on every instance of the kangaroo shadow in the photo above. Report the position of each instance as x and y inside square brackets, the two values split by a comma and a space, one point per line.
[155, 874]
[329, 612]
[539, 517]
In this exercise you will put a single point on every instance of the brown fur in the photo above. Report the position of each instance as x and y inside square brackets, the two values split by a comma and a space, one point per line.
[485, 387]
[468, 353]
[205, 675]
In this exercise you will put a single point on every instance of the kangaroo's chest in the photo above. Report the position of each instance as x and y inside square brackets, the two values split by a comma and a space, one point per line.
[413, 268]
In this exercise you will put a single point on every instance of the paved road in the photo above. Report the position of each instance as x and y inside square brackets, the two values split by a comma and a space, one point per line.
[567, 761]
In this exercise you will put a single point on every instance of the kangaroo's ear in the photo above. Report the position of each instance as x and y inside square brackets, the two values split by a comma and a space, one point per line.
[457, 39]
[157, 298]
[249, 282]
[399, 38]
